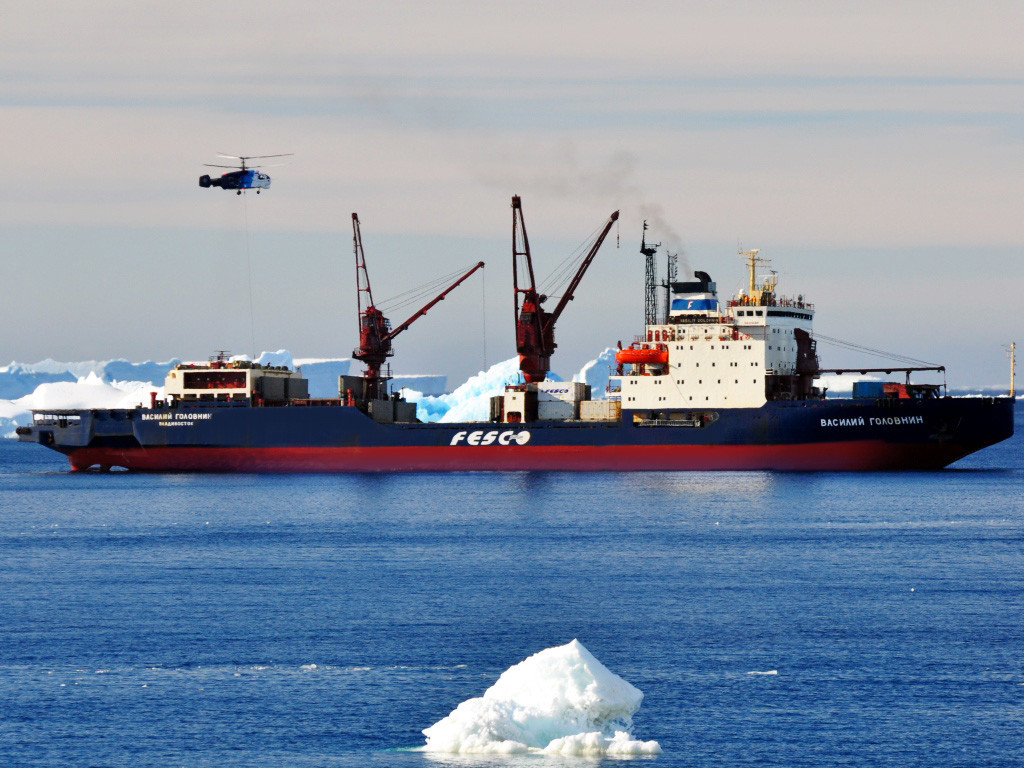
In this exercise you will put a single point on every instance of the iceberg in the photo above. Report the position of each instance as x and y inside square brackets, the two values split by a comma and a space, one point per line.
[470, 401]
[20, 379]
[560, 701]
[597, 373]
[89, 391]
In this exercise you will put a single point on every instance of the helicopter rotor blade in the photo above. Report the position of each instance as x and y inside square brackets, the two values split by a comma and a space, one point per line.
[261, 157]
[243, 161]
[252, 157]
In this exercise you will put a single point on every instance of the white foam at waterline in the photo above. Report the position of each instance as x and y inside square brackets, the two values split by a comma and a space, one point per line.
[768, 672]
[560, 701]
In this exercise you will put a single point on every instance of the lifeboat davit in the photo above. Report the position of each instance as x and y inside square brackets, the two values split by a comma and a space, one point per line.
[642, 356]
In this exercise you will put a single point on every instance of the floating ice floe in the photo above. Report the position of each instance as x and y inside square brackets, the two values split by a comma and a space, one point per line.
[560, 701]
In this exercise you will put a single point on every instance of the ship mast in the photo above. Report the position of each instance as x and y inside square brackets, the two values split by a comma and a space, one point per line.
[671, 272]
[650, 279]
[1013, 369]
[752, 261]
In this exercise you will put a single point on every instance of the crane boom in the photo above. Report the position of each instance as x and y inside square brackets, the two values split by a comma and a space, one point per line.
[364, 295]
[535, 328]
[435, 300]
[375, 331]
[567, 295]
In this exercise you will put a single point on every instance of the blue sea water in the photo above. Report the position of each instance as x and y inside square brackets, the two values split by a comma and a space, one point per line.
[243, 620]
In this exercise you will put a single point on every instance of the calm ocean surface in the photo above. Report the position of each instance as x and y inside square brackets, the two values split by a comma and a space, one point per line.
[250, 620]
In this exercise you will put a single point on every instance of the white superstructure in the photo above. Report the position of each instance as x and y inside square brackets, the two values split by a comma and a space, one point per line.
[236, 380]
[757, 347]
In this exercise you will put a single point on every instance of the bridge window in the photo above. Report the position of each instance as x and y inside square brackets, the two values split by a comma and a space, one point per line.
[214, 379]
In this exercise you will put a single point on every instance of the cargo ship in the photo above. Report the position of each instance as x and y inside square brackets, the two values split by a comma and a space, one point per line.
[711, 384]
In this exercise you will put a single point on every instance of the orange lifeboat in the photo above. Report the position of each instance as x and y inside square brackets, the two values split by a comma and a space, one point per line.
[635, 356]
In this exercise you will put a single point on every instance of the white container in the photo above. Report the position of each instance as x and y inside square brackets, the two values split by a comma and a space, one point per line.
[600, 410]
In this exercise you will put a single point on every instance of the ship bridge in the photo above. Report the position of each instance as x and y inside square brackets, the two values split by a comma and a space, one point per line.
[737, 353]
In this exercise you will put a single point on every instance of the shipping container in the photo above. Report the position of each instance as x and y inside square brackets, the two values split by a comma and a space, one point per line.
[867, 389]
[600, 410]
[556, 410]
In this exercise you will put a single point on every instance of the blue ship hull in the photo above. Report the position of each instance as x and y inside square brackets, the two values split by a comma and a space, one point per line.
[849, 434]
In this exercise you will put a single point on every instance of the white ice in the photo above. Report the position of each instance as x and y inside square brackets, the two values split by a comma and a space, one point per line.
[560, 701]
[471, 400]
[597, 372]
[87, 392]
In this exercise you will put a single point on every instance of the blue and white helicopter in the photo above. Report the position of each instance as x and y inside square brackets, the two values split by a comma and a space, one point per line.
[244, 178]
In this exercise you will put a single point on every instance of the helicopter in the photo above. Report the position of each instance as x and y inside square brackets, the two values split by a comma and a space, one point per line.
[244, 178]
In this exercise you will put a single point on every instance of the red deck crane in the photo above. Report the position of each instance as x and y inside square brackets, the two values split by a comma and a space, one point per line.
[535, 327]
[375, 331]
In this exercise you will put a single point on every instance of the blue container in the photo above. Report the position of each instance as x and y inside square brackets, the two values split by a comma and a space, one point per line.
[868, 389]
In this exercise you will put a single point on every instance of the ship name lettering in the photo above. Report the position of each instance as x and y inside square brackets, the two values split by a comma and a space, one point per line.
[874, 421]
[176, 419]
[480, 437]
[890, 420]
[856, 421]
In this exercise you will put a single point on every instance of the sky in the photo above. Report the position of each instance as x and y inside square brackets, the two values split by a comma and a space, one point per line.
[874, 151]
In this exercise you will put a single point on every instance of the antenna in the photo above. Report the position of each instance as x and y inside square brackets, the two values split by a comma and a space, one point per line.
[671, 272]
[650, 279]
[752, 262]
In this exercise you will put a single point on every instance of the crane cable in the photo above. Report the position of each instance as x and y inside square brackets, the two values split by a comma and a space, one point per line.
[483, 313]
[419, 293]
[248, 261]
[564, 270]
[871, 351]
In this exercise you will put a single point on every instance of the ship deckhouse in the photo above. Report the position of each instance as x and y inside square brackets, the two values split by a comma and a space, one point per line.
[754, 348]
[236, 381]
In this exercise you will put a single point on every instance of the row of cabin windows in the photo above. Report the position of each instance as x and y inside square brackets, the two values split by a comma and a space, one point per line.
[657, 380]
[726, 347]
[753, 363]
[750, 313]
[631, 399]
[706, 398]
